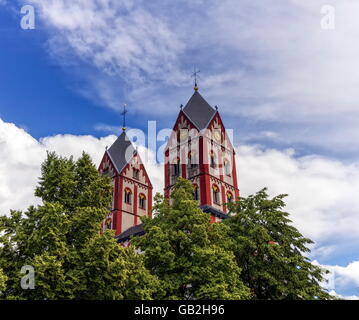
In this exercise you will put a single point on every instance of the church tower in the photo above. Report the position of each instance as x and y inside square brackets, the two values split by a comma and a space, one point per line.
[132, 188]
[200, 150]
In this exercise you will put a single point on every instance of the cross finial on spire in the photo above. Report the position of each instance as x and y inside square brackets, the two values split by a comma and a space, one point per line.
[195, 76]
[124, 117]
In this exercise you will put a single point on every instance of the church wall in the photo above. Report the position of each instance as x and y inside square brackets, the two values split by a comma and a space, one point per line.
[128, 172]
[142, 212]
[127, 221]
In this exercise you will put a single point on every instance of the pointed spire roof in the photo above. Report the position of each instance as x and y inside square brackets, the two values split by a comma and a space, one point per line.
[199, 111]
[121, 148]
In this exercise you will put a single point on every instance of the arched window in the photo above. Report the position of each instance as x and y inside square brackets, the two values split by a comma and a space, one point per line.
[229, 197]
[128, 196]
[227, 167]
[213, 160]
[142, 201]
[136, 173]
[195, 192]
[176, 168]
[215, 191]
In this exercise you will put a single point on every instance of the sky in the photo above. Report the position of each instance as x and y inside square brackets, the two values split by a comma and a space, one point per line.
[283, 76]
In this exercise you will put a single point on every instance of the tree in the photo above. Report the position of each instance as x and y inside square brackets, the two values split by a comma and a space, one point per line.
[270, 250]
[184, 250]
[73, 184]
[61, 240]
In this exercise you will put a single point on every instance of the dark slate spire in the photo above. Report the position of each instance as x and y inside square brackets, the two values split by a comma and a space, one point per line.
[118, 151]
[199, 111]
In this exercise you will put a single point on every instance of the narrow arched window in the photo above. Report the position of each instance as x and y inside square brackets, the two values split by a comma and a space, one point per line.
[176, 168]
[128, 196]
[142, 201]
[215, 192]
[227, 167]
[213, 160]
[136, 173]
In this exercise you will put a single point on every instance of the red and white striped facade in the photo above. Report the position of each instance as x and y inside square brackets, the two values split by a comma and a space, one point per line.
[134, 180]
[207, 158]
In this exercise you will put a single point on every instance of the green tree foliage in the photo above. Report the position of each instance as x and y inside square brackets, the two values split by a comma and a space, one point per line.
[184, 250]
[73, 184]
[269, 249]
[3, 279]
[61, 239]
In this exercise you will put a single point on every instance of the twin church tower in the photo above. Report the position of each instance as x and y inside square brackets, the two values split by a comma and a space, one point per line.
[199, 150]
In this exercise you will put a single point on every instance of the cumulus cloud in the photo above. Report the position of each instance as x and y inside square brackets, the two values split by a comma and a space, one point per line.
[322, 192]
[22, 156]
[342, 279]
[348, 275]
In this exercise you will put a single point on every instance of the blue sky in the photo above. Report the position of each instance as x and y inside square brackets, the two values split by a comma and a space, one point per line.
[285, 85]
[38, 93]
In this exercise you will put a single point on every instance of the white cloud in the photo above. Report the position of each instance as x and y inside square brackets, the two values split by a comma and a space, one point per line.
[292, 72]
[22, 156]
[346, 276]
[342, 279]
[322, 192]
[333, 293]
[118, 37]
